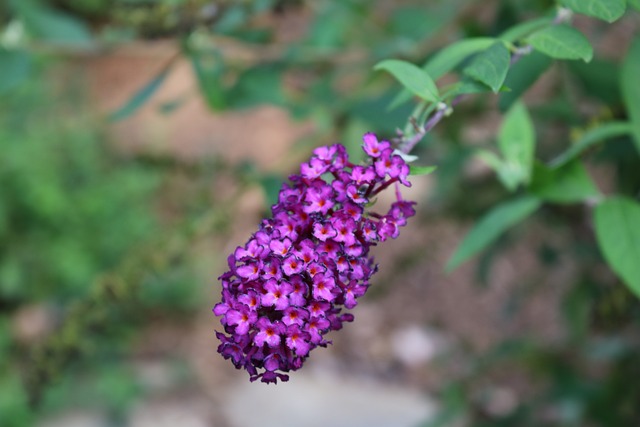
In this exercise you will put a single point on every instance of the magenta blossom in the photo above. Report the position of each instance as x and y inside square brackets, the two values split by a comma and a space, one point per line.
[287, 287]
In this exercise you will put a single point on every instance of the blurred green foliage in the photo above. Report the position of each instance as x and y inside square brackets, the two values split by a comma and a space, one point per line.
[69, 207]
[79, 223]
[85, 244]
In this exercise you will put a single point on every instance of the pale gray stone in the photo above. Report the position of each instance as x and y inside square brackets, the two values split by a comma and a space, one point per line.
[75, 419]
[320, 400]
[177, 413]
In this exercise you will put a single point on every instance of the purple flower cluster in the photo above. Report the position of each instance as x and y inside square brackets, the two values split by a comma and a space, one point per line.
[287, 286]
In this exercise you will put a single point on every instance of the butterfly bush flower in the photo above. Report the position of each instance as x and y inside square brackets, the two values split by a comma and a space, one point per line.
[289, 285]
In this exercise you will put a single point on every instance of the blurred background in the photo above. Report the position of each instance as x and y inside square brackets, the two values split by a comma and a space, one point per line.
[141, 141]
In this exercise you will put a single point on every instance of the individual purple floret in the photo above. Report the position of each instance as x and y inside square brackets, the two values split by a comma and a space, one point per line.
[286, 288]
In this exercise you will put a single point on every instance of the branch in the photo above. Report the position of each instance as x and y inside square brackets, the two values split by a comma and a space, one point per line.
[443, 110]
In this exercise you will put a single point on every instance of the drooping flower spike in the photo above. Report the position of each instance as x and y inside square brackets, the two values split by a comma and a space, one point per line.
[287, 286]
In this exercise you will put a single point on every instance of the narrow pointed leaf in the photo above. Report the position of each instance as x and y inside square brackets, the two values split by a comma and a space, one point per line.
[617, 222]
[562, 42]
[522, 30]
[501, 169]
[568, 184]
[516, 141]
[490, 67]
[522, 75]
[491, 226]
[469, 85]
[421, 170]
[595, 78]
[607, 10]
[590, 138]
[451, 56]
[209, 69]
[629, 75]
[53, 26]
[446, 60]
[141, 96]
[490, 159]
[412, 77]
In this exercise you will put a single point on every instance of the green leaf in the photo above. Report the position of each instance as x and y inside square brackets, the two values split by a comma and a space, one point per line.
[467, 85]
[415, 79]
[232, 19]
[629, 75]
[451, 56]
[141, 96]
[522, 75]
[490, 66]
[568, 184]
[446, 60]
[506, 177]
[491, 226]
[590, 138]
[595, 79]
[516, 140]
[261, 84]
[209, 68]
[617, 222]
[490, 159]
[421, 170]
[53, 26]
[607, 10]
[634, 3]
[562, 42]
[15, 66]
[504, 172]
[522, 30]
